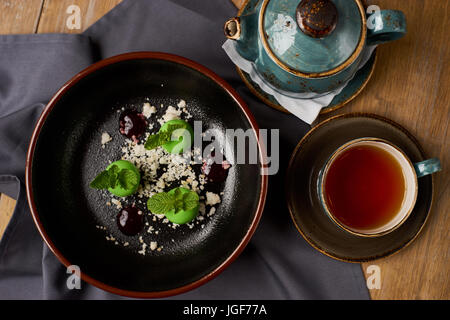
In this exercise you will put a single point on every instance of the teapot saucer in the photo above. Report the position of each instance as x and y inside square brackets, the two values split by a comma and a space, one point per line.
[353, 88]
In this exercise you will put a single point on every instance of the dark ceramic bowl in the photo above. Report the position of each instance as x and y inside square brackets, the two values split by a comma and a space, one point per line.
[65, 153]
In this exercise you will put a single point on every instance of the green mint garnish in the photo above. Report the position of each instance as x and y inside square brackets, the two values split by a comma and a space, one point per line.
[101, 181]
[162, 137]
[161, 203]
[127, 179]
[190, 200]
[164, 202]
[178, 204]
[113, 177]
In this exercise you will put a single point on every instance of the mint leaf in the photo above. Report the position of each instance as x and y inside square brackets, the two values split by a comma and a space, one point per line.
[114, 169]
[161, 203]
[127, 179]
[162, 137]
[190, 200]
[101, 181]
[106, 179]
[178, 195]
[179, 204]
[113, 176]
[177, 200]
[154, 141]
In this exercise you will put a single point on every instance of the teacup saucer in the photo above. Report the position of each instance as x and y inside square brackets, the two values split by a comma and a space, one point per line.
[311, 221]
[351, 91]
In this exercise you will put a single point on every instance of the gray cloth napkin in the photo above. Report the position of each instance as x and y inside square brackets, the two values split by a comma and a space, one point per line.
[277, 263]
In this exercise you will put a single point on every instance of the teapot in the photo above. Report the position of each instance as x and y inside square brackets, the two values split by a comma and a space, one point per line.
[311, 46]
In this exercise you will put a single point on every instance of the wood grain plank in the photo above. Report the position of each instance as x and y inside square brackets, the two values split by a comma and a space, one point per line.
[410, 86]
[7, 206]
[54, 14]
[19, 16]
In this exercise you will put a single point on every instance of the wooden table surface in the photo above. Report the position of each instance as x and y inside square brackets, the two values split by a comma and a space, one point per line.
[410, 85]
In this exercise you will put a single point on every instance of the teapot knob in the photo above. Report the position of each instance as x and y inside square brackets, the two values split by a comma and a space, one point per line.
[317, 18]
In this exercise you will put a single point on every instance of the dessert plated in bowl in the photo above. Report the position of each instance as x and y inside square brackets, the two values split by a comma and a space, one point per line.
[142, 216]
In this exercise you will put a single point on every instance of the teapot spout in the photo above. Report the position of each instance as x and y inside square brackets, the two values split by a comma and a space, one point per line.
[244, 31]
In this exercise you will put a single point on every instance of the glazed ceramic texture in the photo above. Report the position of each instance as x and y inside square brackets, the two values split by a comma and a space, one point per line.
[293, 62]
[304, 53]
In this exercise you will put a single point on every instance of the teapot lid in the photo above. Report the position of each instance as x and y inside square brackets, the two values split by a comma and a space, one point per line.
[313, 38]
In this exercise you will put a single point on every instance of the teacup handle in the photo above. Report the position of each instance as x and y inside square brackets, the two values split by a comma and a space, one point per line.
[384, 25]
[427, 167]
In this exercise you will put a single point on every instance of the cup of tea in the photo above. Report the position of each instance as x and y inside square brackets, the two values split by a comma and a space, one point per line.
[369, 187]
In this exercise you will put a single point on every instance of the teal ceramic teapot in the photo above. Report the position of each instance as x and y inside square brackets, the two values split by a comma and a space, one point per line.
[310, 46]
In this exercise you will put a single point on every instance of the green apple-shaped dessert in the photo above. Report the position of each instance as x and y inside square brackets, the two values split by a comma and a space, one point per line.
[179, 205]
[175, 136]
[121, 178]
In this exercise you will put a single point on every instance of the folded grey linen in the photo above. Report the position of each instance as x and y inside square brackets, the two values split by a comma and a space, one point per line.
[276, 264]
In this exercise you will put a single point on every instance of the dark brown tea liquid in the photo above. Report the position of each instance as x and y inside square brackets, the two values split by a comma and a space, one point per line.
[364, 187]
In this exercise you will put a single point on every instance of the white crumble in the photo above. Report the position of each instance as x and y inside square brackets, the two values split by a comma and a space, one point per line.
[181, 104]
[148, 110]
[212, 198]
[143, 248]
[211, 211]
[171, 114]
[117, 203]
[105, 139]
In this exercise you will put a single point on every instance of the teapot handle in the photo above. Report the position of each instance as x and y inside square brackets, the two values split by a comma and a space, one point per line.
[384, 25]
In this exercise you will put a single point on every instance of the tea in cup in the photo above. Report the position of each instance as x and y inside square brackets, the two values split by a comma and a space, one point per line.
[369, 187]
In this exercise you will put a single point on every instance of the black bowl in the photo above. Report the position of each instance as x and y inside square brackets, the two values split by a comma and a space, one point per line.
[65, 153]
